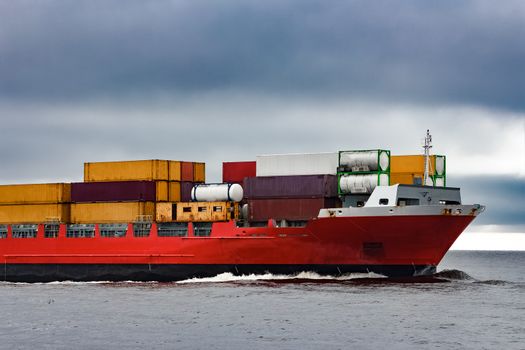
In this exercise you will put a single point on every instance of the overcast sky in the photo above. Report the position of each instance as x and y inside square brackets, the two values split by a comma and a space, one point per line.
[226, 80]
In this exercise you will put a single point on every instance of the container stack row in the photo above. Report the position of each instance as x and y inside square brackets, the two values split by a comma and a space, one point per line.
[35, 203]
[126, 190]
[292, 187]
[410, 170]
[112, 192]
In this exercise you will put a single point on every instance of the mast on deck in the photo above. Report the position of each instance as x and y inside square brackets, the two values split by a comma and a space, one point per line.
[427, 147]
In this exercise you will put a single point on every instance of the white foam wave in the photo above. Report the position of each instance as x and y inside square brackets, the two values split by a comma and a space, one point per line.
[229, 277]
[73, 283]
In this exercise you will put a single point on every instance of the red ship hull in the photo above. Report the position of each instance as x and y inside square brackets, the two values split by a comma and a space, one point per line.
[395, 246]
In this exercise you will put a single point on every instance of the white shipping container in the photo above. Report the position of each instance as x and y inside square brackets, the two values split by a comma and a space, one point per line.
[297, 164]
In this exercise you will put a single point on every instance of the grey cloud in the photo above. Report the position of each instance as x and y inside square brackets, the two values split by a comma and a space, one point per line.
[502, 196]
[469, 52]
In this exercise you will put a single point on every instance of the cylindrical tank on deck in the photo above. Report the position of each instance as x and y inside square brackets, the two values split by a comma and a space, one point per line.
[217, 192]
[440, 165]
[376, 160]
[244, 211]
[362, 183]
[439, 182]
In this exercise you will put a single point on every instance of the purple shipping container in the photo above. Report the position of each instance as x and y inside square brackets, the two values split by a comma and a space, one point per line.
[113, 191]
[296, 186]
[185, 191]
[288, 209]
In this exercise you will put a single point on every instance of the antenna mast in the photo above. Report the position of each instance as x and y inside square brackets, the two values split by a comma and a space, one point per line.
[427, 147]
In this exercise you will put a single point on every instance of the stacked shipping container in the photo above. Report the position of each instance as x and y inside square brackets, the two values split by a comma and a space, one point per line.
[148, 170]
[410, 169]
[113, 192]
[129, 189]
[292, 186]
[359, 172]
[235, 172]
[298, 186]
[35, 203]
[297, 164]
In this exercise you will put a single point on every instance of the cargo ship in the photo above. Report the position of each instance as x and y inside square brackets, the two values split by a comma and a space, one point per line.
[158, 220]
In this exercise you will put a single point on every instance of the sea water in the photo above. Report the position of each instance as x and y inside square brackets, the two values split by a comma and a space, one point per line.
[476, 301]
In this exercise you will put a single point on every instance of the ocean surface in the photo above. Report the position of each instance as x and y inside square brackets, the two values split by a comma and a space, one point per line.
[476, 301]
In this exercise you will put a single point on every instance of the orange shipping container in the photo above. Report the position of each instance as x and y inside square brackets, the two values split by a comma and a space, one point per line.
[110, 212]
[206, 211]
[414, 164]
[406, 179]
[164, 212]
[34, 213]
[163, 190]
[174, 192]
[199, 172]
[35, 193]
[175, 170]
[132, 170]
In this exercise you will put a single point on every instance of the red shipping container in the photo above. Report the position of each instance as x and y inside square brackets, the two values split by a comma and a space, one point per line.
[235, 172]
[288, 209]
[186, 171]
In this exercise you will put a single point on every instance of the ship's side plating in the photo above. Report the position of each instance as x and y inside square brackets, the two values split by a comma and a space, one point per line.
[392, 240]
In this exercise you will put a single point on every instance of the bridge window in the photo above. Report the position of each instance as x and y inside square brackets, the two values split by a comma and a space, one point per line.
[24, 231]
[383, 201]
[113, 230]
[172, 229]
[3, 231]
[80, 231]
[51, 230]
[407, 201]
[202, 229]
[141, 229]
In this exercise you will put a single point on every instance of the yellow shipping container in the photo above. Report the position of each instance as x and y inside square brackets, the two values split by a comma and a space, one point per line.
[174, 191]
[199, 172]
[34, 213]
[164, 212]
[414, 164]
[175, 170]
[35, 193]
[207, 211]
[162, 191]
[110, 212]
[154, 169]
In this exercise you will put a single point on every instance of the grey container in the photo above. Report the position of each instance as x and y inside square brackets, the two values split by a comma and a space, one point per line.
[297, 186]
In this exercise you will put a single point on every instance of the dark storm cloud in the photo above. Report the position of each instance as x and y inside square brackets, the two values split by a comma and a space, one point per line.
[502, 195]
[468, 52]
